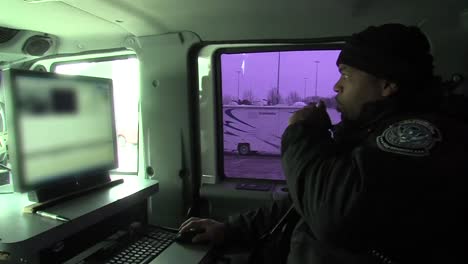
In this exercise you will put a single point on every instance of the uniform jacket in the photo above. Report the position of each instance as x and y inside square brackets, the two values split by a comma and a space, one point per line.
[388, 187]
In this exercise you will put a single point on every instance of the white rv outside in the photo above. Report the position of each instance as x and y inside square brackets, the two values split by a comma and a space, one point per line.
[258, 129]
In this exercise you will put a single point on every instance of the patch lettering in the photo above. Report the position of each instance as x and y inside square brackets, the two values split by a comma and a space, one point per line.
[413, 137]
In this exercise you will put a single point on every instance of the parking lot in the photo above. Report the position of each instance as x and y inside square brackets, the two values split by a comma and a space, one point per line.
[253, 166]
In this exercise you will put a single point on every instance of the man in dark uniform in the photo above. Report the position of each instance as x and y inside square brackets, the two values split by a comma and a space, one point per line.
[386, 185]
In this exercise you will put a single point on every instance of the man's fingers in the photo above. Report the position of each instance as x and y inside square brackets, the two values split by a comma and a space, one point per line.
[189, 226]
[189, 220]
[194, 224]
[186, 222]
[296, 116]
[311, 112]
[322, 105]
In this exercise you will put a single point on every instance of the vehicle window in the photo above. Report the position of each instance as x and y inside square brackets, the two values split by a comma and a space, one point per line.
[125, 76]
[260, 91]
[4, 175]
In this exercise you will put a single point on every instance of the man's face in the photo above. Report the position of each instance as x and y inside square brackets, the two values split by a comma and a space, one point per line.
[354, 89]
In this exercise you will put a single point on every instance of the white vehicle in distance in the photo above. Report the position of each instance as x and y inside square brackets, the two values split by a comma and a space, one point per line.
[257, 129]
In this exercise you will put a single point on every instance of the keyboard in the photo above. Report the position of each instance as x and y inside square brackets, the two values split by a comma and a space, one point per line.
[144, 249]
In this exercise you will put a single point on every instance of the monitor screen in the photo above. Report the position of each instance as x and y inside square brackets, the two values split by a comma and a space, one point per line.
[59, 126]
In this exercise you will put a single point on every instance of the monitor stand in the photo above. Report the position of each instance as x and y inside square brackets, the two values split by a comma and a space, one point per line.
[51, 202]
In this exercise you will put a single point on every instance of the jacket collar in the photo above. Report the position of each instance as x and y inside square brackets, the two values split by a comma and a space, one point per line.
[371, 114]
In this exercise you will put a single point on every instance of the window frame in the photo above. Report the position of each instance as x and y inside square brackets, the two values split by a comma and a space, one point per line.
[219, 131]
[104, 58]
[54, 65]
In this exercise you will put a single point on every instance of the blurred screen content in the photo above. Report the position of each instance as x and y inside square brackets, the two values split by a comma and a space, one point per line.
[65, 127]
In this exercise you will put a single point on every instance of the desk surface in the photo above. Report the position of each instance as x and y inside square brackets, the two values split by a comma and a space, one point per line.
[18, 228]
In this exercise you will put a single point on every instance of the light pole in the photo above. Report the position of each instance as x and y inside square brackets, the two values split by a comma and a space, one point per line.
[278, 78]
[238, 76]
[305, 87]
[316, 76]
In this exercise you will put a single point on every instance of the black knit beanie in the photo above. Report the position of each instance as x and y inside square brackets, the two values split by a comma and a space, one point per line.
[394, 52]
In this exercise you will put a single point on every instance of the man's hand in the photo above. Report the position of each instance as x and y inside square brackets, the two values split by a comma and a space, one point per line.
[214, 230]
[316, 115]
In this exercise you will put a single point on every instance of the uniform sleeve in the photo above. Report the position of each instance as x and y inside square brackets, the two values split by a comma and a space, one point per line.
[324, 181]
[245, 229]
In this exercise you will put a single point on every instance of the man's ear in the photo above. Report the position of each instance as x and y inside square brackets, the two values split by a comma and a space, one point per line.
[389, 88]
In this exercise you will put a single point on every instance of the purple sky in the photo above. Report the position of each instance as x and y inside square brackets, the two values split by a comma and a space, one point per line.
[259, 72]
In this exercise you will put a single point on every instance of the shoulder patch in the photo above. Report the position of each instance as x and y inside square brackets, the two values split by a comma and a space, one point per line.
[412, 137]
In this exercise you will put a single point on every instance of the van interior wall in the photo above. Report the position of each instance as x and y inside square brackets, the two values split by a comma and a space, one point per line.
[165, 122]
[165, 112]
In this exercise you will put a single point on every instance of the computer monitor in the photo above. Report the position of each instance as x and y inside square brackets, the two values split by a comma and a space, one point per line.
[61, 131]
